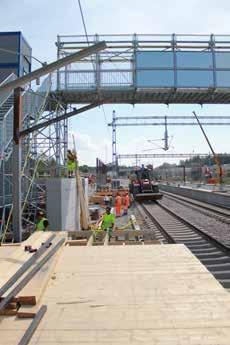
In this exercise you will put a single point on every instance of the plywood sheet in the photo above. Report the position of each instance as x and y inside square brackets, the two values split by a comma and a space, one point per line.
[133, 295]
[11, 259]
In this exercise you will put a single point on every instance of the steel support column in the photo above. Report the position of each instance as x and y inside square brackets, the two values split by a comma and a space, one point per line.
[16, 168]
[114, 145]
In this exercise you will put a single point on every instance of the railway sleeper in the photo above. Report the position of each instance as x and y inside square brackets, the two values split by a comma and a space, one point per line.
[225, 283]
[199, 246]
[221, 275]
[185, 238]
[204, 250]
[182, 233]
[182, 240]
[197, 242]
[216, 254]
[218, 267]
[215, 261]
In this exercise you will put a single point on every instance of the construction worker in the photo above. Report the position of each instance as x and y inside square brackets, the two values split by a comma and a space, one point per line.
[71, 162]
[106, 200]
[118, 202]
[108, 222]
[126, 203]
[42, 223]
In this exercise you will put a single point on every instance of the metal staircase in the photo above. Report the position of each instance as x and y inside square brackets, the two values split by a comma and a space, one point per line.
[33, 105]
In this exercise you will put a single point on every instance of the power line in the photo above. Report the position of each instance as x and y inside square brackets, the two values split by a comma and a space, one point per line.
[86, 34]
[105, 118]
[24, 55]
[83, 21]
[87, 38]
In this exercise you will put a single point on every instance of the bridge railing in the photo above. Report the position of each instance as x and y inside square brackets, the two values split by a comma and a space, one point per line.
[85, 79]
[173, 62]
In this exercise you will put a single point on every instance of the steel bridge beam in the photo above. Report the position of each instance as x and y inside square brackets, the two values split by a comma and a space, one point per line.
[172, 124]
[127, 118]
[118, 121]
[20, 82]
[161, 155]
[58, 119]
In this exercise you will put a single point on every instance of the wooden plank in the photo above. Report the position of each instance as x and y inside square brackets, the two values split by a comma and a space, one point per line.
[90, 240]
[31, 274]
[132, 295]
[79, 234]
[10, 244]
[12, 305]
[85, 219]
[11, 259]
[26, 300]
[22, 300]
[129, 295]
[80, 242]
[25, 267]
[106, 239]
[27, 312]
[33, 326]
[38, 284]
[8, 312]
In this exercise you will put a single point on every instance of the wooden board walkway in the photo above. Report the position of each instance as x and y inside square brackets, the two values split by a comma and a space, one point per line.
[133, 295]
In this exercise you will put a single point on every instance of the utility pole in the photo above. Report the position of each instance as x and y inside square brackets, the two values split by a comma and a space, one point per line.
[184, 175]
[216, 158]
[114, 146]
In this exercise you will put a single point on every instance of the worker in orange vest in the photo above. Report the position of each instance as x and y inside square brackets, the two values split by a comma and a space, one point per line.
[126, 203]
[118, 205]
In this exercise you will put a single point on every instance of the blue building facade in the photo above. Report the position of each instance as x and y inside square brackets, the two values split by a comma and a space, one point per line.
[15, 54]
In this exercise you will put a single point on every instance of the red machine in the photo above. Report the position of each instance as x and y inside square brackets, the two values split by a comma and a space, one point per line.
[143, 188]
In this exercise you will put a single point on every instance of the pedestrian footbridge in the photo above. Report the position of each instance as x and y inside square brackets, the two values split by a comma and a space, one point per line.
[146, 69]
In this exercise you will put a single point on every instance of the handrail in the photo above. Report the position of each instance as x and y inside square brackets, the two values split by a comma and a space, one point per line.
[10, 77]
[4, 95]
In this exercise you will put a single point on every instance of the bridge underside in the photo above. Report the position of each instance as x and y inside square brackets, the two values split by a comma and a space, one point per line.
[132, 96]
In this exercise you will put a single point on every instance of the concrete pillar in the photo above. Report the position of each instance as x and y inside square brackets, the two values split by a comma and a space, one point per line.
[62, 204]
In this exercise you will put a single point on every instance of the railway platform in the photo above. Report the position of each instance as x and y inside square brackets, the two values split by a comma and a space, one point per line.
[209, 196]
[147, 294]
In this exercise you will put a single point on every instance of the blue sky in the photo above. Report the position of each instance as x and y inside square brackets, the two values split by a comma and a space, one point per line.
[41, 21]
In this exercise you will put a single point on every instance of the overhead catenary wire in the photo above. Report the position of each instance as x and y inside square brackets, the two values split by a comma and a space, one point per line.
[87, 39]
[85, 30]
[83, 21]
[24, 55]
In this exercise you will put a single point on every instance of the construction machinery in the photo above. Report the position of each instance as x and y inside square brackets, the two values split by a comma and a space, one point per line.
[142, 186]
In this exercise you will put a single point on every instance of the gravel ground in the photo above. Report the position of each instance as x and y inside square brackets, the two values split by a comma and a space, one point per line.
[209, 225]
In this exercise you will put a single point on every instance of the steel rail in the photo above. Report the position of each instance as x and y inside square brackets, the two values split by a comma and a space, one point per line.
[30, 275]
[202, 205]
[196, 229]
[25, 266]
[33, 326]
[162, 230]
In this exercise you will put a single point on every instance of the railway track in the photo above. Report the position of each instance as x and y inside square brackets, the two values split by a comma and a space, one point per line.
[173, 228]
[219, 213]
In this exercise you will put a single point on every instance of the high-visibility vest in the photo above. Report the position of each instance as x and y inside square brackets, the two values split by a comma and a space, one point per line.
[118, 201]
[108, 221]
[126, 201]
[40, 225]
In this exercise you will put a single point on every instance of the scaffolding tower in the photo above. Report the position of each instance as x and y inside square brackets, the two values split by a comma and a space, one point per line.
[43, 153]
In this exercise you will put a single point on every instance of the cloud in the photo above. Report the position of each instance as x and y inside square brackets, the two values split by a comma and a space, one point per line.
[89, 149]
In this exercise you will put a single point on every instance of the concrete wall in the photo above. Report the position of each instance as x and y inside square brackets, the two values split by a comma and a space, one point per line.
[201, 195]
[62, 204]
